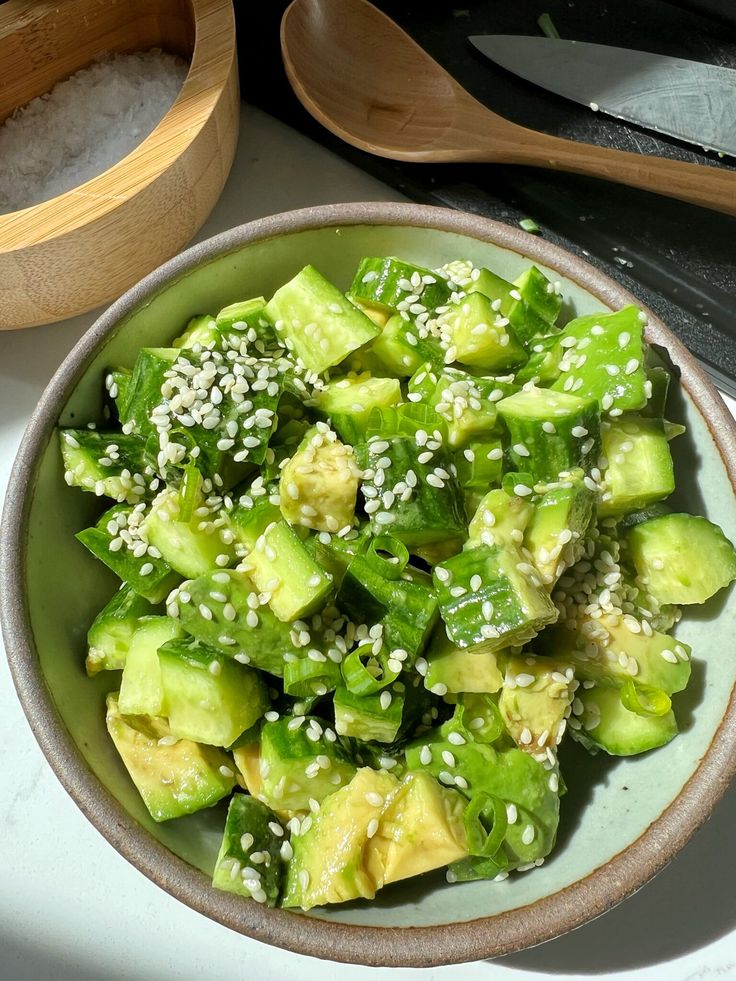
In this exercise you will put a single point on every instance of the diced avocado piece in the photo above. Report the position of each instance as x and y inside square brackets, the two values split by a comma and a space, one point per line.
[466, 404]
[200, 330]
[248, 318]
[191, 547]
[403, 345]
[551, 432]
[141, 688]
[109, 637]
[513, 306]
[556, 531]
[328, 865]
[420, 829]
[682, 558]
[115, 539]
[174, 777]
[513, 776]
[475, 334]
[106, 464]
[299, 763]
[208, 698]
[640, 469]
[368, 717]
[249, 862]
[347, 402]
[281, 567]
[223, 610]
[604, 359]
[452, 669]
[610, 650]
[500, 519]
[535, 700]
[410, 490]
[390, 284]
[316, 322]
[492, 596]
[608, 725]
[319, 484]
[247, 756]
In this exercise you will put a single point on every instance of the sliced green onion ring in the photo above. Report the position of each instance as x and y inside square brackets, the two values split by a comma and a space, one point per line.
[357, 676]
[645, 700]
[486, 824]
[398, 556]
[189, 492]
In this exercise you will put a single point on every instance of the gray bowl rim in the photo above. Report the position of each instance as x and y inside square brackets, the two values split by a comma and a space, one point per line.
[449, 943]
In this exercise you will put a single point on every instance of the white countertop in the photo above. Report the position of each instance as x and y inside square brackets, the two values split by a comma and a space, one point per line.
[71, 909]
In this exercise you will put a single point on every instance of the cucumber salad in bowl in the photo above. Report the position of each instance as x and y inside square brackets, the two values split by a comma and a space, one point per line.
[381, 552]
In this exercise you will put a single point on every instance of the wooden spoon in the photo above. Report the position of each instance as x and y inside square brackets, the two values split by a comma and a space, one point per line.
[368, 82]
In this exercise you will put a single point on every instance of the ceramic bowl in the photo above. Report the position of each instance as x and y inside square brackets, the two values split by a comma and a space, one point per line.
[622, 820]
[84, 247]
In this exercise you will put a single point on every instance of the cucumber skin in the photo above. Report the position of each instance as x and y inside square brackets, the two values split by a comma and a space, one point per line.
[112, 630]
[248, 815]
[384, 291]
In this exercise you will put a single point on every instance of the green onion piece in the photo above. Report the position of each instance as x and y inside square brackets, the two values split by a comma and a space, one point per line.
[645, 700]
[394, 565]
[544, 21]
[483, 708]
[189, 491]
[516, 483]
[485, 823]
[305, 677]
[358, 676]
[529, 225]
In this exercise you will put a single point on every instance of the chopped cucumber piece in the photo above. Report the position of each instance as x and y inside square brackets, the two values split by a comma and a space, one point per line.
[249, 862]
[109, 637]
[465, 403]
[369, 717]
[348, 402]
[530, 305]
[299, 763]
[640, 469]
[492, 597]
[500, 519]
[551, 432]
[475, 334]
[107, 464]
[403, 345]
[555, 535]
[117, 542]
[410, 490]
[224, 611]
[209, 698]
[682, 558]
[390, 284]
[281, 567]
[604, 359]
[190, 547]
[200, 330]
[248, 318]
[316, 322]
[142, 689]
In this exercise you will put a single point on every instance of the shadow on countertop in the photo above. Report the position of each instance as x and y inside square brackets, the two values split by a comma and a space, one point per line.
[688, 906]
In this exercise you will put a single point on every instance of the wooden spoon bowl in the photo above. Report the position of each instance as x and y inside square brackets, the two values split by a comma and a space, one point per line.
[368, 82]
[82, 248]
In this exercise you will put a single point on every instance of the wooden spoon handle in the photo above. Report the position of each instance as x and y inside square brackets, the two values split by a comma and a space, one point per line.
[709, 187]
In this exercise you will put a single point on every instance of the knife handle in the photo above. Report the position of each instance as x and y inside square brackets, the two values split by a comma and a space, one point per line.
[701, 184]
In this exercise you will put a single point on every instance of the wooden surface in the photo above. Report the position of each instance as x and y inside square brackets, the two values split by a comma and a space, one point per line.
[87, 246]
[368, 82]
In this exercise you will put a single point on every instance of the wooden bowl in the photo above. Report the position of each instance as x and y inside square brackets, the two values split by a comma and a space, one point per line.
[88, 245]
[622, 819]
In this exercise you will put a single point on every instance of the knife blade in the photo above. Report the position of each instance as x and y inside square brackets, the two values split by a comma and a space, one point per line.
[689, 100]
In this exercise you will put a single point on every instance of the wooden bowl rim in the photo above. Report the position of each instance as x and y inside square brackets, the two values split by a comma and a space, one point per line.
[430, 946]
[70, 211]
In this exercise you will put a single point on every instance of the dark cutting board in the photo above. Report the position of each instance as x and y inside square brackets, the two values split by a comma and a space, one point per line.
[679, 259]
